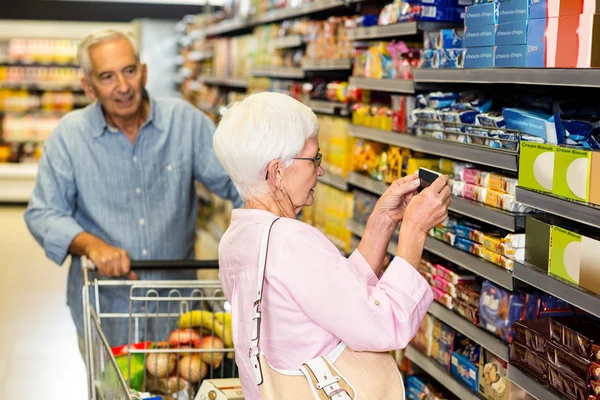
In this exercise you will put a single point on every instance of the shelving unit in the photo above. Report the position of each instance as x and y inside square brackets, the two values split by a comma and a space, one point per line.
[328, 107]
[470, 330]
[383, 85]
[440, 374]
[286, 42]
[17, 182]
[42, 86]
[278, 72]
[235, 82]
[335, 181]
[476, 154]
[568, 292]
[198, 55]
[530, 385]
[584, 77]
[580, 212]
[327, 65]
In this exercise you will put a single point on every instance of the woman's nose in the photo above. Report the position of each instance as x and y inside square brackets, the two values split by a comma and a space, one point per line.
[320, 171]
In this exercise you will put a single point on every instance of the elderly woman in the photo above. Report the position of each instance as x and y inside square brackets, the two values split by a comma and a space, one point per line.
[313, 296]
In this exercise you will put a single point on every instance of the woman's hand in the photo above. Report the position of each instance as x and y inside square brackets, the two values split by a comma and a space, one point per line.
[429, 208]
[395, 200]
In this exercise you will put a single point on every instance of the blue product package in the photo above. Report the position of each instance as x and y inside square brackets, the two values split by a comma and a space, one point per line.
[446, 3]
[510, 34]
[465, 245]
[479, 57]
[430, 58]
[538, 9]
[451, 39]
[452, 58]
[480, 36]
[582, 133]
[494, 306]
[510, 56]
[544, 126]
[482, 14]
[442, 14]
[513, 11]
[431, 40]
[536, 43]
[484, 1]
[465, 371]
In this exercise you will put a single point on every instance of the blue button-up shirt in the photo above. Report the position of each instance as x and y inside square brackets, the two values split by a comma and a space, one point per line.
[139, 197]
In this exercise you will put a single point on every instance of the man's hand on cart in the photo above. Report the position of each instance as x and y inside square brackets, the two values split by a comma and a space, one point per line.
[111, 261]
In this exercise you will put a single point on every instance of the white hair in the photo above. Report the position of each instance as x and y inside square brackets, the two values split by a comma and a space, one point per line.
[102, 36]
[261, 128]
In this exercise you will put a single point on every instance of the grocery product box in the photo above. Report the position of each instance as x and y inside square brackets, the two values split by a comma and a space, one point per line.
[481, 14]
[510, 56]
[220, 389]
[479, 57]
[578, 42]
[447, 3]
[571, 173]
[479, 36]
[537, 239]
[541, 32]
[513, 11]
[450, 39]
[554, 8]
[493, 381]
[578, 335]
[536, 166]
[452, 58]
[529, 361]
[510, 34]
[435, 13]
[465, 370]
[595, 178]
[430, 58]
[574, 258]
[546, 127]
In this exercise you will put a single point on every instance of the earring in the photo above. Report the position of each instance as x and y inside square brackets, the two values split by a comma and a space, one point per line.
[279, 195]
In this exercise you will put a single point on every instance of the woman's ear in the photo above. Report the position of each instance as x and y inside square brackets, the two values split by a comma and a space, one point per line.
[273, 175]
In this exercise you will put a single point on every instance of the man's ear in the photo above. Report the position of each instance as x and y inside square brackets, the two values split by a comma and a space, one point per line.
[144, 74]
[87, 88]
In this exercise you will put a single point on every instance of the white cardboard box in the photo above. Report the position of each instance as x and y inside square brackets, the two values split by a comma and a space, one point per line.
[220, 389]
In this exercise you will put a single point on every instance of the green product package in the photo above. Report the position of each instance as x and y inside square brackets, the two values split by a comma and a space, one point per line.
[137, 369]
[536, 166]
[572, 173]
[565, 254]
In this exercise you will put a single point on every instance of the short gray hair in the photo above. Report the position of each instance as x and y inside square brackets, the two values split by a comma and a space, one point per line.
[102, 36]
[259, 129]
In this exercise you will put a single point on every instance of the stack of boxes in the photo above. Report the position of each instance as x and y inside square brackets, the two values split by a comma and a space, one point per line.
[533, 34]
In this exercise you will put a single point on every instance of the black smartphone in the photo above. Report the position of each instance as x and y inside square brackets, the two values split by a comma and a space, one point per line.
[427, 177]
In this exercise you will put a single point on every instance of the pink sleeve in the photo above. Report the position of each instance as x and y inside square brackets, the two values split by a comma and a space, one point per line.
[362, 266]
[333, 292]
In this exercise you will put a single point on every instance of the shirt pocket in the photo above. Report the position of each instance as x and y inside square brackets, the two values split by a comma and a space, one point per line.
[169, 182]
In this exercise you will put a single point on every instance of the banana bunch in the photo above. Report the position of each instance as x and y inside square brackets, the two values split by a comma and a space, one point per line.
[219, 323]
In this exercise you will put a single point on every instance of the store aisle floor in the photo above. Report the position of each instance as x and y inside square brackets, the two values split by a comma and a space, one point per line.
[39, 358]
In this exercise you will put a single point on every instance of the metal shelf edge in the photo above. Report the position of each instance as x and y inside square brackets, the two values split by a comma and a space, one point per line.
[530, 385]
[376, 32]
[442, 376]
[335, 181]
[384, 85]
[571, 294]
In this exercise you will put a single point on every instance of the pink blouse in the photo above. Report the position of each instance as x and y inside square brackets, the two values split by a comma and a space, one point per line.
[313, 296]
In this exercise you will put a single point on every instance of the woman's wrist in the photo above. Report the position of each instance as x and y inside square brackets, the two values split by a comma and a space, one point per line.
[382, 222]
[410, 244]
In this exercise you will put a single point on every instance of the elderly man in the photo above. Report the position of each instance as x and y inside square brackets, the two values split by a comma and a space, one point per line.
[116, 180]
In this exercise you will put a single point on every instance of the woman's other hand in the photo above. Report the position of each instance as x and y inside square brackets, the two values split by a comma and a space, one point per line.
[429, 208]
[395, 200]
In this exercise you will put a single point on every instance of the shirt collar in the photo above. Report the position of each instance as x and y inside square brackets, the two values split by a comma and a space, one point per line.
[100, 124]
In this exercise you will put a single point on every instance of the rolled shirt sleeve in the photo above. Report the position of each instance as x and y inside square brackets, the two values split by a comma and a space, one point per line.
[49, 215]
[340, 295]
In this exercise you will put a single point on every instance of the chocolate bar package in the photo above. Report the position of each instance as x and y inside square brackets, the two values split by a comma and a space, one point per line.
[595, 387]
[594, 371]
[529, 361]
[466, 311]
[572, 389]
[444, 285]
[569, 363]
[454, 275]
[575, 333]
[533, 334]
[469, 294]
[596, 353]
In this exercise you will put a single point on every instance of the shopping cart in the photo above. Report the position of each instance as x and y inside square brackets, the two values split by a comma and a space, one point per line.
[179, 333]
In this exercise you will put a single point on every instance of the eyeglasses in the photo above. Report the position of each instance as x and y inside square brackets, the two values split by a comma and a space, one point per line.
[316, 160]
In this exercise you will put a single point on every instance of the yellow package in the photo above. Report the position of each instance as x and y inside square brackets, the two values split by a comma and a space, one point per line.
[414, 164]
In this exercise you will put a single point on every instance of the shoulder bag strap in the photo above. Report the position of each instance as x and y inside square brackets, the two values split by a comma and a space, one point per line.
[256, 319]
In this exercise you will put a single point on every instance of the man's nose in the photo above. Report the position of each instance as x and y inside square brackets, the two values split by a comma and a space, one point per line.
[123, 85]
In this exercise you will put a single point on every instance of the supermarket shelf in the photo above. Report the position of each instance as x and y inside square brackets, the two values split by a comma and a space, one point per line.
[470, 262]
[587, 77]
[198, 55]
[287, 42]
[469, 329]
[17, 182]
[236, 82]
[377, 32]
[570, 293]
[580, 212]
[384, 85]
[327, 65]
[41, 86]
[228, 27]
[530, 385]
[367, 183]
[480, 212]
[333, 180]
[439, 374]
[279, 72]
[328, 107]
[38, 64]
[445, 148]
[493, 216]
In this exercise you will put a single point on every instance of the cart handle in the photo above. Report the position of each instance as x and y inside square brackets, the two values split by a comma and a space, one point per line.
[137, 265]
